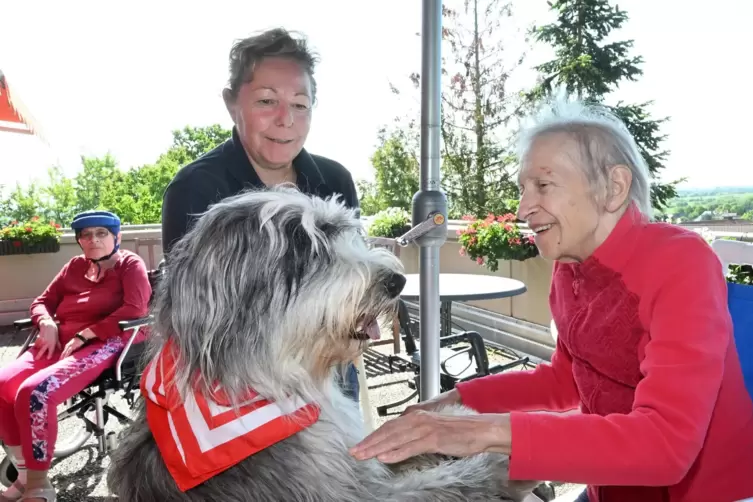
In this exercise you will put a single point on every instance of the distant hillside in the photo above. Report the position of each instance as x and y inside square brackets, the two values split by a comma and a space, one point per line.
[714, 202]
[710, 191]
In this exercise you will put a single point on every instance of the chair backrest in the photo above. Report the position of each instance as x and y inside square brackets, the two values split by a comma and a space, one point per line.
[155, 277]
[406, 327]
[386, 243]
[740, 302]
[151, 257]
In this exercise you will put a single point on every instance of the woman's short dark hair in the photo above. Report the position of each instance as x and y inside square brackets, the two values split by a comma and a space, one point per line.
[274, 43]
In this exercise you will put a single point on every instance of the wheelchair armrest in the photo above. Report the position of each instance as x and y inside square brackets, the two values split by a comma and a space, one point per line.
[135, 323]
[23, 324]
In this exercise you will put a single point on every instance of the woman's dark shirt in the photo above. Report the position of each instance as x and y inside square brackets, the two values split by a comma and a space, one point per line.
[226, 171]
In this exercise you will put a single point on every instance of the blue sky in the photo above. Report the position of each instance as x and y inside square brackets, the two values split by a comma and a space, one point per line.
[118, 77]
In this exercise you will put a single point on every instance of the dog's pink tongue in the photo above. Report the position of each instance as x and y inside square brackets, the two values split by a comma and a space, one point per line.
[372, 329]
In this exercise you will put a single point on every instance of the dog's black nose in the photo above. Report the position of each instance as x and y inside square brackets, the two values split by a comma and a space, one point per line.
[394, 284]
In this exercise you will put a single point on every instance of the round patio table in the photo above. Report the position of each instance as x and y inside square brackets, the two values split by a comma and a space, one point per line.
[462, 288]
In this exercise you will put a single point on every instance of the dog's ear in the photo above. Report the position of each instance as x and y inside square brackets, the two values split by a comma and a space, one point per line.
[303, 251]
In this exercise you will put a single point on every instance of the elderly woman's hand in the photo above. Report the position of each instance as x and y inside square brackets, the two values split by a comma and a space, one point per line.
[72, 346]
[76, 343]
[47, 339]
[430, 432]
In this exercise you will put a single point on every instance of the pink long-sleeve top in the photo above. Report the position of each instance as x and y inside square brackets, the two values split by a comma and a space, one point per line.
[78, 303]
[646, 351]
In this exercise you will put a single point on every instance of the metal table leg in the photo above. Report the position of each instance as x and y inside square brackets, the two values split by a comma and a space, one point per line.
[445, 315]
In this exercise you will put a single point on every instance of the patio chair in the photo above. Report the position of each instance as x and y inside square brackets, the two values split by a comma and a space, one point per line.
[462, 356]
[740, 302]
[392, 246]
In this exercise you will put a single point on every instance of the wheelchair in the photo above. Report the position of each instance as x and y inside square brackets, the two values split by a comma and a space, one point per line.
[91, 406]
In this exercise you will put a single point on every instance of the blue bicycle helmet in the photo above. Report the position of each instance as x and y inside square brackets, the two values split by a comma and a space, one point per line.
[89, 219]
[104, 219]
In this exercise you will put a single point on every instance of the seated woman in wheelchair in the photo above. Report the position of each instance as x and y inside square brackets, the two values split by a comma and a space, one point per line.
[77, 317]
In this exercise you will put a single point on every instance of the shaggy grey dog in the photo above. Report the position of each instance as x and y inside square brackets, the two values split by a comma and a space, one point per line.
[270, 291]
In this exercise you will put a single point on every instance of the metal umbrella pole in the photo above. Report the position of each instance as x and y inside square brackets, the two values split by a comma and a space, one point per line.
[429, 203]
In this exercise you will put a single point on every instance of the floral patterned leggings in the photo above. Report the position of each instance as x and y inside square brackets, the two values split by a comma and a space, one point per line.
[31, 390]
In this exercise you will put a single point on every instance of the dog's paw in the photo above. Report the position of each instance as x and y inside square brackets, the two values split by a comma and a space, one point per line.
[421, 462]
[455, 409]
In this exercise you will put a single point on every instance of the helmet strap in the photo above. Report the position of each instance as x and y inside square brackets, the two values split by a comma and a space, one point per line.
[104, 258]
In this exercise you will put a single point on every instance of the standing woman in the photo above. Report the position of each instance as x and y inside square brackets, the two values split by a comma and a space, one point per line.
[270, 96]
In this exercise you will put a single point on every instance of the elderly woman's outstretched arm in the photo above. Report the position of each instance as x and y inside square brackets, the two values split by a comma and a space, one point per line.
[548, 387]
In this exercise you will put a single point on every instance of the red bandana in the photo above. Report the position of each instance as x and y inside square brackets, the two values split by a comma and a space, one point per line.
[200, 438]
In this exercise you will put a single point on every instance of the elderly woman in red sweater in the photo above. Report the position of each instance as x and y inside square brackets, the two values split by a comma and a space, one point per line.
[645, 346]
[77, 317]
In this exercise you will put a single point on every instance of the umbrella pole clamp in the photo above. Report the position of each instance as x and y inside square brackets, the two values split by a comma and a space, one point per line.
[430, 230]
[429, 233]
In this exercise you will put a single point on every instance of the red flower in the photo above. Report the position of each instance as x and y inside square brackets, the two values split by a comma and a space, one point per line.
[532, 239]
[468, 217]
[35, 218]
[29, 229]
[506, 217]
[57, 225]
[480, 260]
[17, 244]
[462, 251]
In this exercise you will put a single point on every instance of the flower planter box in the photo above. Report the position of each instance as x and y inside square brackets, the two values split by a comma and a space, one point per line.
[8, 247]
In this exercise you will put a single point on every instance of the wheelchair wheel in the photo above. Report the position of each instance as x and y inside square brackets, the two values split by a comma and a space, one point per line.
[77, 431]
[8, 472]
[71, 445]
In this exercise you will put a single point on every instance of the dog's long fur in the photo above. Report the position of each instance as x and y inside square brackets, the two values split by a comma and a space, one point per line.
[265, 292]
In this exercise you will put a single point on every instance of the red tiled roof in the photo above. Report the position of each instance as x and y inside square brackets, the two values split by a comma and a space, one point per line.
[14, 117]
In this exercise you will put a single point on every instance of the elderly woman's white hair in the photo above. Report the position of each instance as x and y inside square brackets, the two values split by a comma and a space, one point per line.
[603, 139]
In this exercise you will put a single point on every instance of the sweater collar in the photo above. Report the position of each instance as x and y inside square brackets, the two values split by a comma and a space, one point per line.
[615, 251]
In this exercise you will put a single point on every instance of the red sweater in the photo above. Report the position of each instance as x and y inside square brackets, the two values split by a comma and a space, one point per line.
[646, 350]
[78, 303]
